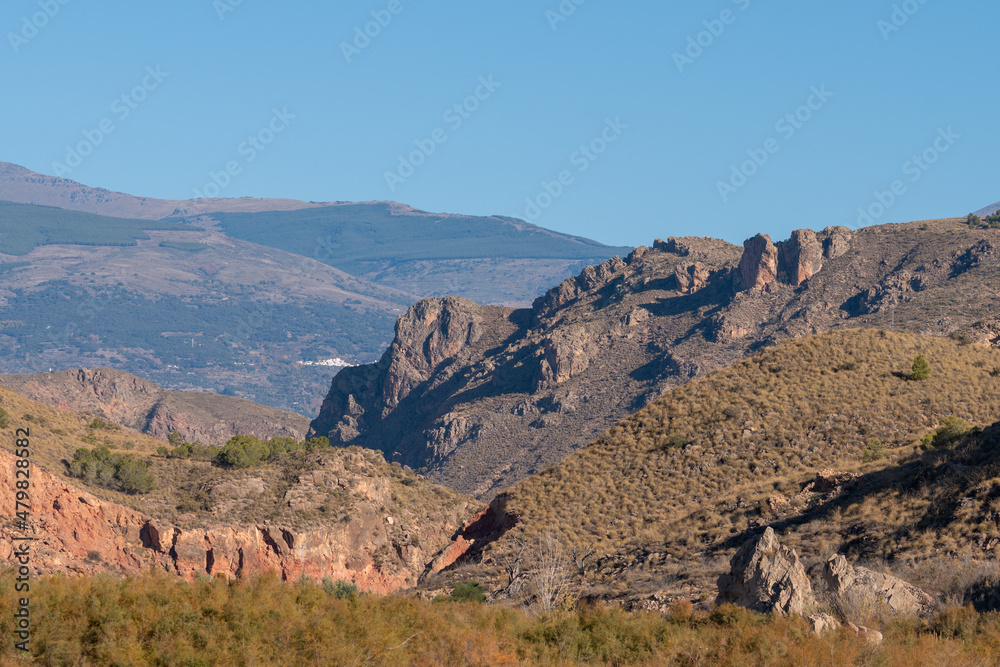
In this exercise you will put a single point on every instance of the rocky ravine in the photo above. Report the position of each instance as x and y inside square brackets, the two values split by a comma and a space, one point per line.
[141, 405]
[481, 397]
[77, 532]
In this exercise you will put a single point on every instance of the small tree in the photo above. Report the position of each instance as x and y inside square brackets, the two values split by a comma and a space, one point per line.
[874, 450]
[921, 369]
[974, 221]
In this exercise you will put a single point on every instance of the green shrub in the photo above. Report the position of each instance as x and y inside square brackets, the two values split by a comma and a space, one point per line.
[121, 472]
[342, 590]
[921, 370]
[951, 430]
[875, 450]
[192, 450]
[4, 418]
[102, 425]
[470, 591]
[243, 451]
[676, 442]
[322, 442]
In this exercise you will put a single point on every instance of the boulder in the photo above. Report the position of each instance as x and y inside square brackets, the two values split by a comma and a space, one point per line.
[691, 277]
[873, 637]
[844, 579]
[767, 577]
[823, 624]
[836, 241]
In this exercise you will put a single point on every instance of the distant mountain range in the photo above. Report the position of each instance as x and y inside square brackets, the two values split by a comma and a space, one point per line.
[227, 295]
[488, 259]
[989, 210]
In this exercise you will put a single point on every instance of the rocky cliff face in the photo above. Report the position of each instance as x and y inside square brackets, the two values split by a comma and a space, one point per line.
[793, 261]
[378, 545]
[133, 402]
[482, 398]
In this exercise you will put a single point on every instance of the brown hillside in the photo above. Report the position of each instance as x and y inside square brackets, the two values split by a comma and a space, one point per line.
[604, 344]
[140, 405]
[785, 439]
[344, 514]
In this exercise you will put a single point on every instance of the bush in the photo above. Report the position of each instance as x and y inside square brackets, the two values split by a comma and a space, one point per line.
[951, 430]
[322, 442]
[956, 623]
[875, 450]
[921, 369]
[470, 591]
[192, 450]
[676, 442]
[243, 451]
[4, 418]
[120, 472]
[342, 590]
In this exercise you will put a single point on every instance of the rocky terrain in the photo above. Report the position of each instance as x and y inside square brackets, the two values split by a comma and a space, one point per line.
[343, 514]
[140, 405]
[824, 443]
[481, 398]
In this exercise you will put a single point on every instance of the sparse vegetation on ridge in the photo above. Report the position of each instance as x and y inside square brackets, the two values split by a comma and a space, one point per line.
[805, 406]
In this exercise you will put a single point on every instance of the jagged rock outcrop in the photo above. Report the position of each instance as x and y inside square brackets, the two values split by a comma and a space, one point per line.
[572, 288]
[77, 532]
[143, 406]
[845, 580]
[801, 256]
[625, 331]
[487, 525]
[823, 624]
[428, 338]
[793, 261]
[691, 278]
[430, 332]
[563, 356]
[759, 264]
[836, 242]
[767, 577]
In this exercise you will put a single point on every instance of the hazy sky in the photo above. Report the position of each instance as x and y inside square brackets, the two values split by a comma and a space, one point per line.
[621, 121]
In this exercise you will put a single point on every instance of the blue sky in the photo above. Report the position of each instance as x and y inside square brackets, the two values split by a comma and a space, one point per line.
[664, 119]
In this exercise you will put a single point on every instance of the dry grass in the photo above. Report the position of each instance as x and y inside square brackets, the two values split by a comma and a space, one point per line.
[157, 620]
[188, 491]
[759, 432]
